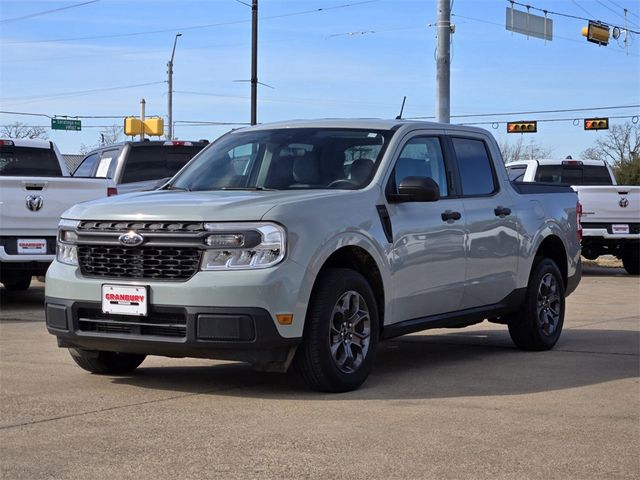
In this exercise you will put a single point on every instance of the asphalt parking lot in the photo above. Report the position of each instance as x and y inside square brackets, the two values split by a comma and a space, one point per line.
[442, 404]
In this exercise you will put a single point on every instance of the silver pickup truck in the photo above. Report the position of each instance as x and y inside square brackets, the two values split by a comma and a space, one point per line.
[309, 242]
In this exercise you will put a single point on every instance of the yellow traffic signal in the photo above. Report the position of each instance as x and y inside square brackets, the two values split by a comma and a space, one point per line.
[596, 32]
[596, 123]
[522, 127]
[152, 126]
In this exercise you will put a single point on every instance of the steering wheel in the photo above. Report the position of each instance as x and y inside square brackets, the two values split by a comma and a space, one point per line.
[343, 183]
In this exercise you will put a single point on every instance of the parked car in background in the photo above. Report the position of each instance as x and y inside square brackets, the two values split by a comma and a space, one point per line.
[610, 212]
[35, 188]
[137, 166]
[310, 241]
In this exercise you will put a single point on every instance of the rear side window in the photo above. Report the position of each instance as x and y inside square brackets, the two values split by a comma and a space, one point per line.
[474, 164]
[86, 167]
[154, 162]
[27, 161]
[574, 174]
[516, 173]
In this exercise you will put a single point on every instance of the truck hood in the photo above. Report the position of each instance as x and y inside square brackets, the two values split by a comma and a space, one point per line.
[191, 206]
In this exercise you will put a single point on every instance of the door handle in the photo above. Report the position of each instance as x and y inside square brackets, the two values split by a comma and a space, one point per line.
[502, 211]
[448, 215]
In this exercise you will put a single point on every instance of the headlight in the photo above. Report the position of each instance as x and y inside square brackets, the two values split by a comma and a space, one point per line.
[237, 246]
[67, 251]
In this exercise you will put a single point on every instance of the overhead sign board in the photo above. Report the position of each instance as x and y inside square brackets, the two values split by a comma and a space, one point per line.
[65, 124]
[529, 24]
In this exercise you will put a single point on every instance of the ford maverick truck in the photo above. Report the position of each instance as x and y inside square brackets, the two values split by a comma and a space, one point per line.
[309, 242]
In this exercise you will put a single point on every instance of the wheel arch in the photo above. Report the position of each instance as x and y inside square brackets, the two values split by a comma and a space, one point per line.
[552, 247]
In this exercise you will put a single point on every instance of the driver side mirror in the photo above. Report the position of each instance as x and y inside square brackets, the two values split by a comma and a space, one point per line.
[417, 189]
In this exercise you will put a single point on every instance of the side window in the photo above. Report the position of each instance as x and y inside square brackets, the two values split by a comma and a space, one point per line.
[86, 167]
[422, 157]
[516, 173]
[107, 164]
[476, 171]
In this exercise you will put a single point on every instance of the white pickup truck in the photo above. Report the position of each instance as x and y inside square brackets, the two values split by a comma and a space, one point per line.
[610, 212]
[35, 188]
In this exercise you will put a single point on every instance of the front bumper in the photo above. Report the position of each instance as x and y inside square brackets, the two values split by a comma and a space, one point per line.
[245, 334]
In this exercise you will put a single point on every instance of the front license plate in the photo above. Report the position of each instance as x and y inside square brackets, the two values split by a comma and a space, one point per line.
[620, 229]
[124, 300]
[32, 245]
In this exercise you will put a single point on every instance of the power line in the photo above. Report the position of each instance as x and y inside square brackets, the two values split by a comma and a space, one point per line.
[549, 12]
[192, 27]
[532, 112]
[45, 12]
[582, 8]
[495, 124]
[626, 9]
[489, 22]
[616, 12]
[39, 98]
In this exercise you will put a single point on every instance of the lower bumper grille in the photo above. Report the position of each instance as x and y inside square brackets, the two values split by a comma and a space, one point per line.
[156, 324]
[160, 263]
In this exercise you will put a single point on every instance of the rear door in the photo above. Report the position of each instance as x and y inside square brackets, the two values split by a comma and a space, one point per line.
[427, 257]
[492, 241]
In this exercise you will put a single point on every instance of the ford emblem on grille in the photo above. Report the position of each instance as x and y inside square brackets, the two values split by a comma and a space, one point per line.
[131, 239]
[624, 203]
[34, 202]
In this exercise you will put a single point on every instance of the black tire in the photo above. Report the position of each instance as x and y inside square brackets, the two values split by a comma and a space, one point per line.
[538, 323]
[17, 281]
[631, 259]
[107, 363]
[331, 332]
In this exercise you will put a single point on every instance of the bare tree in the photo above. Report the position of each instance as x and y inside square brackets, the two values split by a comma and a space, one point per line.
[107, 136]
[620, 144]
[517, 150]
[20, 130]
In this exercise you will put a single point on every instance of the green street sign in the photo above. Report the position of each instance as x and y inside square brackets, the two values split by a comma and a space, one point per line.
[65, 124]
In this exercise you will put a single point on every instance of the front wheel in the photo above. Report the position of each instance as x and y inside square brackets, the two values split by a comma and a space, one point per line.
[538, 323]
[341, 332]
[106, 363]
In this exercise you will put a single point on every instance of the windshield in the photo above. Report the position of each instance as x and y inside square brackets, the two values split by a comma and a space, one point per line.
[287, 159]
[28, 161]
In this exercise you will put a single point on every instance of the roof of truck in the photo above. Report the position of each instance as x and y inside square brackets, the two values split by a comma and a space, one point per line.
[369, 123]
[28, 142]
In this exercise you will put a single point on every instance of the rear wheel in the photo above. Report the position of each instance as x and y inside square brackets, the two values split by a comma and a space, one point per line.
[538, 323]
[17, 281]
[341, 332]
[105, 363]
[631, 259]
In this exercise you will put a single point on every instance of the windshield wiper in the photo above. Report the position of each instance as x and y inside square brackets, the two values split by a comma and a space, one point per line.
[256, 189]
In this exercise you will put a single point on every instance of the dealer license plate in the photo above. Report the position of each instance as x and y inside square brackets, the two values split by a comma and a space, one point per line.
[32, 245]
[124, 300]
[620, 229]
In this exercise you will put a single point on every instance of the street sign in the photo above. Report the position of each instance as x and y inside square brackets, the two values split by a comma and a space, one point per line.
[529, 24]
[65, 124]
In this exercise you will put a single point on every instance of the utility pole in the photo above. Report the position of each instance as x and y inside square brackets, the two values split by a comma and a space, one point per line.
[142, 104]
[443, 62]
[170, 93]
[254, 61]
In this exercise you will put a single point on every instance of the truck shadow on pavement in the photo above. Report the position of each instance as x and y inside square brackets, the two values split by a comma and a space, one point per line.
[480, 363]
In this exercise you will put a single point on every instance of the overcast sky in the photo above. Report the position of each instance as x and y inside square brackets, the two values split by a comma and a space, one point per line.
[358, 60]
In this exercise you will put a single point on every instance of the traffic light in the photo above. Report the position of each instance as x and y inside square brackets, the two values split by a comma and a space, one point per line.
[151, 126]
[596, 32]
[522, 127]
[596, 124]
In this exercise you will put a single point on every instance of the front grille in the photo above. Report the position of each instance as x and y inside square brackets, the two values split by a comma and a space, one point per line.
[141, 227]
[159, 263]
[156, 323]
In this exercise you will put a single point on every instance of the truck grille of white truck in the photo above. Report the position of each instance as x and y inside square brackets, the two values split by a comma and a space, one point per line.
[160, 263]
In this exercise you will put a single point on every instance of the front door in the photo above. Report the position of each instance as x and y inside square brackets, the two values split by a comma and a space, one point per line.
[428, 255]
